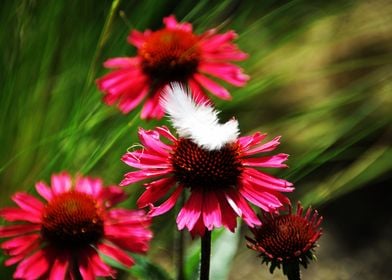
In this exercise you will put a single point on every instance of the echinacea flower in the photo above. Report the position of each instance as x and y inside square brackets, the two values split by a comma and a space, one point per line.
[209, 160]
[287, 239]
[172, 53]
[64, 236]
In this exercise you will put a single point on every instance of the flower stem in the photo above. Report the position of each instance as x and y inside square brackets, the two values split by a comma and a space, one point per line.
[293, 271]
[205, 256]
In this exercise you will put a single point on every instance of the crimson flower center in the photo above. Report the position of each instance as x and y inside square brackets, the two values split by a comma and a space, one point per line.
[71, 220]
[286, 236]
[196, 167]
[170, 55]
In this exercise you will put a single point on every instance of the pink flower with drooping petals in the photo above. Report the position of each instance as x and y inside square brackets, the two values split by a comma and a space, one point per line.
[173, 53]
[62, 237]
[209, 159]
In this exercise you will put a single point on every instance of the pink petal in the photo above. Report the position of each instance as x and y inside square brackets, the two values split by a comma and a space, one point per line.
[117, 254]
[112, 195]
[247, 141]
[44, 190]
[167, 205]
[150, 139]
[86, 270]
[199, 228]
[266, 181]
[152, 107]
[122, 62]
[100, 268]
[61, 183]
[138, 38]
[228, 72]
[164, 131]
[14, 230]
[20, 245]
[275, 161]
[28, 202]
[33, 267]
[198, 94]
[267, 147]
[213, 87]
[212, 215]
[191, 211]
[265, 200]
[228, 215]
[242, 208]
[88, 185]
[155, 191]
[59, 268]
[129, 103]
[171, 23]
[135, 176]
[17, 214]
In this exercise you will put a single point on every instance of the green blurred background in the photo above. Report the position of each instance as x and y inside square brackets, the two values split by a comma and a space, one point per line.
[320, 77]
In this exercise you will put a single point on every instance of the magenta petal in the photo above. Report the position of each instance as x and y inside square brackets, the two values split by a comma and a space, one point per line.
[247, 141]
[171, 23]
[275, 161]
[261, 179]
[28, 202]
[100, 268]
[138, 38]
[59, 269]
[212, 215]
[85, 269]
[128, 104]
[155, 191]
[61, 183]
[20, 244]
[191, 211]
[213, 87]
[135, 176]
[121, 62]
[17, 214]
[33, 267]
[242, 208]
[117, 254]
[14, 230]
[229, 217]
[167, 205]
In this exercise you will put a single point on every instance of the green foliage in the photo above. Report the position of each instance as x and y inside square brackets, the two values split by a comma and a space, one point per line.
[320, 78]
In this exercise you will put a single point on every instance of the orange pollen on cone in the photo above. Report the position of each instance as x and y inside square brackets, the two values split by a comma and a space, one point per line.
[196, 167]
[71, 220]
[286, 237]
[170, 55]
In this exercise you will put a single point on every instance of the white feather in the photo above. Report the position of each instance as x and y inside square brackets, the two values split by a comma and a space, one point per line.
[197, 122]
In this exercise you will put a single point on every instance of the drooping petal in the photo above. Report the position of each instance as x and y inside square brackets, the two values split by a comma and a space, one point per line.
[155, 191]
[167, 205]
[59, 268]
[213, 87]
[116, 253]
[212, 215]
[191, 211]
[33, 267]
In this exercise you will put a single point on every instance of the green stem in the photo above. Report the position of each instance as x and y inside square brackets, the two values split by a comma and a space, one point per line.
[205, 256]
[293, 271]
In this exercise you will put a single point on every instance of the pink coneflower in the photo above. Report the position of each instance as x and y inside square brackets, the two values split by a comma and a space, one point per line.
[212, 162]
[64, 236]
[173, 53]
[287, 240]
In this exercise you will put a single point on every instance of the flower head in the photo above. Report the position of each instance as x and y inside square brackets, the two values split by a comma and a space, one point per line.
[209, 160]
[173, 53]
[287, 239]
[63, 236]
